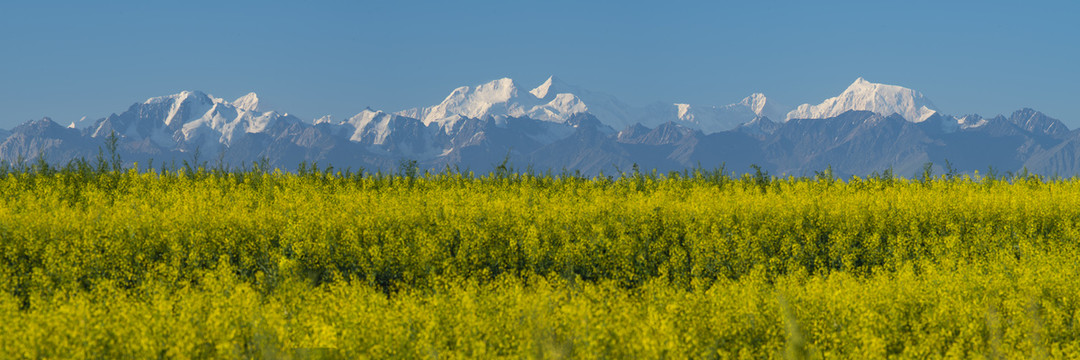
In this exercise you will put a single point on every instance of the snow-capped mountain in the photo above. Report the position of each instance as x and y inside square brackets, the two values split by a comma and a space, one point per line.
[381, 132]
[970, 121]
[556, 101]
[878, 98]
[191, 118]
[868, 128]
[608, 109]
[247, 102]
[497, 98]
[711, 119]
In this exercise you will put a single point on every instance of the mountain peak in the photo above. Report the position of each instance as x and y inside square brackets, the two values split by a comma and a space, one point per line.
[1026, 112]
[500, 98]
[181, 97]
[1036, 121]
[502, 83]
[247, 102]
[499, 90]
[549, 87]
[756, 102]
[369, 110]
[864, 95]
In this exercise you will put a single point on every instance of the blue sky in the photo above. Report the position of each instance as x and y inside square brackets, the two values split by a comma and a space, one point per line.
[70, 59]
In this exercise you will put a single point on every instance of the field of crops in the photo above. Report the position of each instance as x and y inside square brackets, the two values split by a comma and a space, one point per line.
[110, 263]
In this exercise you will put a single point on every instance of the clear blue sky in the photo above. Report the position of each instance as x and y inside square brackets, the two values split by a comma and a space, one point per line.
[70, 59]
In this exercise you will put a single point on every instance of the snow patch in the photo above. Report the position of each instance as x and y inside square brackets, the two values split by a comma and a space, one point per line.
[247, 102]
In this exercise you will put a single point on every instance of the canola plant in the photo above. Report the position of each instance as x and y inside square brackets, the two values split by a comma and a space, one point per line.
[105, 262]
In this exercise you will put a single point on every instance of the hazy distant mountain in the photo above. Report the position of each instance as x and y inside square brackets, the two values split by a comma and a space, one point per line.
[854, 142]
[759, 127]
[46, 139]
[1062, 159]
[1036, 122]
[555, 126]
[710, 119]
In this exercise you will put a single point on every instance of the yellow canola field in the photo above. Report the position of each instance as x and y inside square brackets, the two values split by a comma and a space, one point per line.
[338, 265]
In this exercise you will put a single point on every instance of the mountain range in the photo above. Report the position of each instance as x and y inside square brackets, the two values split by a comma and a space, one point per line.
[867, 128]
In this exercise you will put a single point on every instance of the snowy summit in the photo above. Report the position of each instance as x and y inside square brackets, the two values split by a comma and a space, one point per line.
[864, 95]
[501, 97]
[247, 102]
